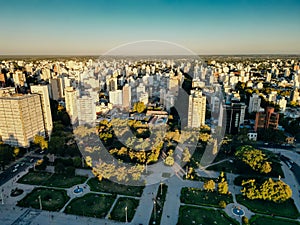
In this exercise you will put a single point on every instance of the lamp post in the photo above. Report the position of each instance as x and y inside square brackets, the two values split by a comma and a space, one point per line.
[146, 168]
[154, 202]
[126, 219]
[40, 201]
[2, 198]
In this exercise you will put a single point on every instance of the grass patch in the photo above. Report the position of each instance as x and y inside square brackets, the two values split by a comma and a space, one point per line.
[118, 213]
[262, 220]
[239, 167]
[51, 179]
[59, 180]
[52, 200]
[198, 215]
[197, 196]
[159, 204]
[34, 178]
[114, 188]
[92, 205]
[285, 209]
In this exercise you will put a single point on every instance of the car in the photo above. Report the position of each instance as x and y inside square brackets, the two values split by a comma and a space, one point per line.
[17, 165]
[22, 164]
[15, 170]
[31, 160]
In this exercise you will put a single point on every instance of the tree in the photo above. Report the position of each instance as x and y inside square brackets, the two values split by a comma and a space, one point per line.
[209, 185]
[266, 168]
[276, 191]
[255, 158]
[223, 187]
[16, 152]
[186, 155]
[139, 107]
[169, 161]
[222, 204]
[40, 140]
[245, 220]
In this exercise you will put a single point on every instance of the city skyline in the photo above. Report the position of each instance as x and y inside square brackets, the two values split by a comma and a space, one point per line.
[94, 28]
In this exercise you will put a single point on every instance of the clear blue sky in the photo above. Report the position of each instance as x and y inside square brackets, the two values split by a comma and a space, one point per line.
[95, 26]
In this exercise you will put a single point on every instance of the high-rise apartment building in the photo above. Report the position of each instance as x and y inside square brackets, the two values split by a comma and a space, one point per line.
[126, 96]
[116, 98]
[21, 118]
[232, 116]
[71, 106]
[254, 103]
[86, 110]
[42, 91]
[56, 88]
[267, 119]
[196, 109]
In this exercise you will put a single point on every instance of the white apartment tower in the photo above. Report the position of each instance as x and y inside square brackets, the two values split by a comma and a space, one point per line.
[126, 96]
[21, 118]
[254, 103]
[71, 106]
[196, 110]
[42, 91]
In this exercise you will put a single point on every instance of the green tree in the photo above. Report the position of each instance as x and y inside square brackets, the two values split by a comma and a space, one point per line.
[209, 185]
[169, 161]
[245, 220]
[222, 204]
[186, 155]
[265, 167]
[139, 107]
[223, 187]
[255, 158]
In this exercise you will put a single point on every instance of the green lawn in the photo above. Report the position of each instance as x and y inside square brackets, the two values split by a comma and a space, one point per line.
[238, 167]
[118, 213]
[114, 188]
[196, 158]
[59, 180]
[51, 179]
[93, 205]
[51, 199]
[263, 220]
[285, 209]
[35, 178]
[200, 197]
[159, 204]
[198, 215]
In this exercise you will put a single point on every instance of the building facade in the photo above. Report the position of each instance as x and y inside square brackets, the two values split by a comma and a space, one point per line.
[21, 118]
[42, 91]
[196, 109]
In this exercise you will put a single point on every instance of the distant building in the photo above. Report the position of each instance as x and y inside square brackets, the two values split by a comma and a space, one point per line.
[42, 90]
[252, 136]
[267, 119]
[86, 107]
[254, 103]
[71, 103]
[294, 95]
[126, 96]
[232, 116]
[196, 109]
[56, 88]
[21, 118]
[116, 97]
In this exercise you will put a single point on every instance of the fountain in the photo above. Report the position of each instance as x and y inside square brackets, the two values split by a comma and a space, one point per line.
[78, 190]
[237, 211]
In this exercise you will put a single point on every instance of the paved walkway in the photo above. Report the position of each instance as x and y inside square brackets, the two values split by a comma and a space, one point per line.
[10, 214]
